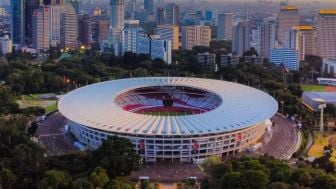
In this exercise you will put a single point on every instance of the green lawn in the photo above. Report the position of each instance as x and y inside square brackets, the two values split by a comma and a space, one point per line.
[51, 108]
[313, 88]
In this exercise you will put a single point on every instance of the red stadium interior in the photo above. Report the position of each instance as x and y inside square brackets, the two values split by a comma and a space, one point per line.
[168, 100]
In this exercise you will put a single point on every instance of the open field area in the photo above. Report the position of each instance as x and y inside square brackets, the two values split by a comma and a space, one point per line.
[321, 140]
[318, 88]
[34, 100]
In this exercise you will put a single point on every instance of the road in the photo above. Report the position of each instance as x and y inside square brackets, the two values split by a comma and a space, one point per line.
[284, 139]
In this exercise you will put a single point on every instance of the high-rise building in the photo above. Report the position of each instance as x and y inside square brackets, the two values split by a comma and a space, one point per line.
[155, 47]
[85, 30]
[195, 36]
[55, 9]
[160, 16]
[329, 66]
[288, 17]
[18, 21]
[266, 37]
[208, 15]
[172, 14]
[102, 29]
[287, 57]
[69, 27]
[76, 5]
[130, 36]
[41, 29]
[326, 36]
[207, 59]
[224, 26]
[149, 6]
[169, 32]
[117, 14]
[303, 39]
[241, 39]
[30, 7]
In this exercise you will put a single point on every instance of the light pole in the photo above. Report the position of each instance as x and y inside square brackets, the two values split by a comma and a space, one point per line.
[282, 106]
[322, 106]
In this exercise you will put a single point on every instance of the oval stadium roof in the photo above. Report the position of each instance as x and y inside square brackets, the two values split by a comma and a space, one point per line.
[94, 106]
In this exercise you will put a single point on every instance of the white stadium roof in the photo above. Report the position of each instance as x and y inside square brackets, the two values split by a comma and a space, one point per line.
[94, 106]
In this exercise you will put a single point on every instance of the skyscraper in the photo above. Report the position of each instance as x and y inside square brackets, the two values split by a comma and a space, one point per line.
[160, 16]
[116, 25]
[117, 14]
[169, 32]
[224, 26]
[41, 29]
[84, 26]
[130, 36]
[195, 36]
[266, 37]
[172, 14]
[101, 29]
[55, 9]
[241, 37]
[288, 17]
[69, 27]
[149, 6]
[18, 21]
[30, 7]
[326, 36]
[303, 39]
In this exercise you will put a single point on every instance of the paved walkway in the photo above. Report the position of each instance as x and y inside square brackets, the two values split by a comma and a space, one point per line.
[284, 141]
[51, 135]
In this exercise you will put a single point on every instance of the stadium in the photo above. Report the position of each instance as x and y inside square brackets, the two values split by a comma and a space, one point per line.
[170, 118]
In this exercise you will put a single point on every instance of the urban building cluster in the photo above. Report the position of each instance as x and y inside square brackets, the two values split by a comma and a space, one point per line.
[282, 38]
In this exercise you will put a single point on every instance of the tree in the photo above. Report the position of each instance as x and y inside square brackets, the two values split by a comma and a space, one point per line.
[325, 182]
[302, 177]
[82, 183]
[279, 185]
[55, 179]
[7, 178]
[119, 183]
[99, 177]
[117, 156]
[254, 179]
[231, 180]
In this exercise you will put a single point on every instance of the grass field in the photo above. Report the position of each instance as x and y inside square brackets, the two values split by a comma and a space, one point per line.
[313, 88]
[34, 100]
[321, 140]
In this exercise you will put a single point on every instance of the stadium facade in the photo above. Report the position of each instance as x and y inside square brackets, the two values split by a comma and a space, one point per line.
[170, 118]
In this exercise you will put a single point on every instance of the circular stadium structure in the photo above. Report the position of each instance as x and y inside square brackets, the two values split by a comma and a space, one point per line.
[175, 118]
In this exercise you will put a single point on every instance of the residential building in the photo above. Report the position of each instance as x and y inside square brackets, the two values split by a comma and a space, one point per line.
[287, 57]
[266, 37]
[288, 17]
[130, 36]
[41, 29]
[149, 6]
[229, 59]
[69, 27]
[303, 39]
[155, 47]
[224, 26]
[55, 9]
[169, 32]
[241, 39]
[207, 59]
[329, 65]
[196, 35]
[326, 35]
[254, 59]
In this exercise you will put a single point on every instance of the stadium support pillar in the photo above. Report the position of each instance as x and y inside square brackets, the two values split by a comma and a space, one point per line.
[322, 106]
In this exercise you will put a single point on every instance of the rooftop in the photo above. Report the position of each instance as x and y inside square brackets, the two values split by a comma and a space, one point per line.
[289, 8]
[328, 12]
